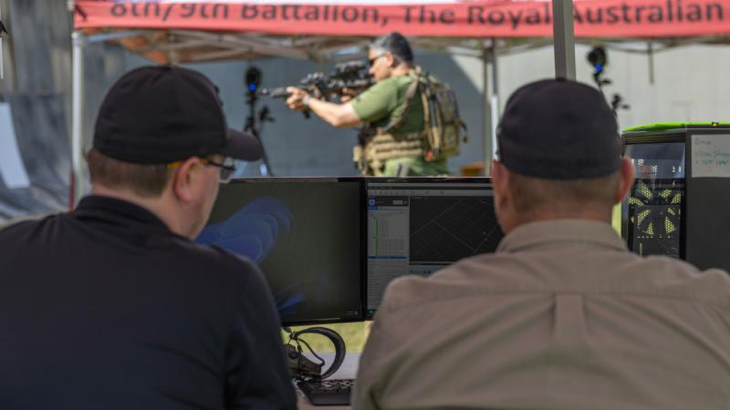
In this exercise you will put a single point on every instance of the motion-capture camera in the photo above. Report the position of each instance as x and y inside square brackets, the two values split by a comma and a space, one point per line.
[598, 59]
[253, 79]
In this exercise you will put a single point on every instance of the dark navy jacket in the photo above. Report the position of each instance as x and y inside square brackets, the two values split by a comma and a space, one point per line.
[106, 308]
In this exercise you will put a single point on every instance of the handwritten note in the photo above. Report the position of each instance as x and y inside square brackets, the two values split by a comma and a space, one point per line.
[711, 156]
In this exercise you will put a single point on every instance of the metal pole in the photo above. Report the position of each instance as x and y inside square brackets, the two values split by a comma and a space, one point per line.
[650, 54]
[77, 117]
[564, 39]
[488, 113]
[495, 98]
[2, 63]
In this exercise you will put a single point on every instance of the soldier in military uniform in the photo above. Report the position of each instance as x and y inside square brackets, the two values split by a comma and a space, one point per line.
[394, 140]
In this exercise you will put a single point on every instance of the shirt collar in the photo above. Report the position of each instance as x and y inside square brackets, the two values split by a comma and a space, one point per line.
[108, 208]
[561, 232]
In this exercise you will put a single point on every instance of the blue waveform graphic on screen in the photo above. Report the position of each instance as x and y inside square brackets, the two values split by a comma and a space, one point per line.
[253, 231]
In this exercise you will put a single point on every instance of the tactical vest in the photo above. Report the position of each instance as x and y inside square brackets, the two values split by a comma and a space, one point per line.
[442, 131]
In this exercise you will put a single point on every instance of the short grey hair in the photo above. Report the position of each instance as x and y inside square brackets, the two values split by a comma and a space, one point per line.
[533, 195]
[395, 44]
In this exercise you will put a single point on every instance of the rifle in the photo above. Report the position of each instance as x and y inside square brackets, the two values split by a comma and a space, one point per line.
[352, 75]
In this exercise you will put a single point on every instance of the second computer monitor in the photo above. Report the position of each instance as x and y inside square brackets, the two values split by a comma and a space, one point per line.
[418, 226]
[305, 234]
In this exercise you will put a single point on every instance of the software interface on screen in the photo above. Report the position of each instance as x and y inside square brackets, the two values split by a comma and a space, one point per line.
[305, 236]
[420, 227]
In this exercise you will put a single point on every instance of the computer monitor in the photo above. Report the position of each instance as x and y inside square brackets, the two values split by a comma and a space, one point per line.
[305, 235]
[418, 226]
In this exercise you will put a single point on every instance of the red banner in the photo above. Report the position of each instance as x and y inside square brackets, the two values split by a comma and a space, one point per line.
[475, 18]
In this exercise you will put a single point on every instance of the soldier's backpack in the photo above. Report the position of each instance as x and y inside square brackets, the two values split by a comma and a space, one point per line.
[442, 123]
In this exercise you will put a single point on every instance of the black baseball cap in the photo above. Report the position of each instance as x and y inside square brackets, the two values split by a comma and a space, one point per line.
[559, 129]
[163, 114]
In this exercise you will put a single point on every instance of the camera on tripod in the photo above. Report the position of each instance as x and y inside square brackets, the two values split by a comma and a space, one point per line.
[255, 120]
[598, 59]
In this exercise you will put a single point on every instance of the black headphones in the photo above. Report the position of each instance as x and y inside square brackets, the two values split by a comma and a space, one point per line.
[301, 366]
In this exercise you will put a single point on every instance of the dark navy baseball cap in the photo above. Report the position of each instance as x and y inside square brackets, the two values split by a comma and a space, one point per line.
[163, 114]
[559, 129]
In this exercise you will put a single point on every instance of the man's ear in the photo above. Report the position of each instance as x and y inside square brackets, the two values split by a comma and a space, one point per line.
[499, 176]
[503, 202]
[392, 62]
[184, 179]
[627, 175]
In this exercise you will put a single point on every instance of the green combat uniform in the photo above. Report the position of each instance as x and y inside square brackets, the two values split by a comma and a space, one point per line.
[403, 145]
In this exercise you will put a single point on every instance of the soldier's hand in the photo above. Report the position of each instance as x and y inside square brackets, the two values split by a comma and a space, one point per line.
[296, 99]
[347, 94]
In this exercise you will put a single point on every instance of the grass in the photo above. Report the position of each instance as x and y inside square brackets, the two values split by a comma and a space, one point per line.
[354, 334]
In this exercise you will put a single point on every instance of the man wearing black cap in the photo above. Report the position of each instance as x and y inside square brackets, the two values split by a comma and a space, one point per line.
[562, 316]
[112, 306]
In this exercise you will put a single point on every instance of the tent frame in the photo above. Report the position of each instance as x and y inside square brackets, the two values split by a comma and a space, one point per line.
[250, 45]
[564, 39]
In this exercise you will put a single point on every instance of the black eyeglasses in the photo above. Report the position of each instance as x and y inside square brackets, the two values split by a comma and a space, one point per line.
[372, 61]
[228, 167]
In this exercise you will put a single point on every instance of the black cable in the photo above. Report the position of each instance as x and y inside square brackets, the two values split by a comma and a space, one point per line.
[321, 360]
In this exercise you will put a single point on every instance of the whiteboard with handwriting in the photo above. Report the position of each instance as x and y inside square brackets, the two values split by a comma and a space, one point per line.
[711, 156]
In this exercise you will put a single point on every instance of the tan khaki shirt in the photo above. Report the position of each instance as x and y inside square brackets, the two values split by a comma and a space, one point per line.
[562, 316]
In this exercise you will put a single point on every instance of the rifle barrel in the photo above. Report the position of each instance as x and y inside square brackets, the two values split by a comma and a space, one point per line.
[279, 92]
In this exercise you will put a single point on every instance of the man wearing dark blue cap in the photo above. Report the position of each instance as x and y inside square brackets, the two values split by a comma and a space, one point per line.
[562, 316]
[112, 306]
